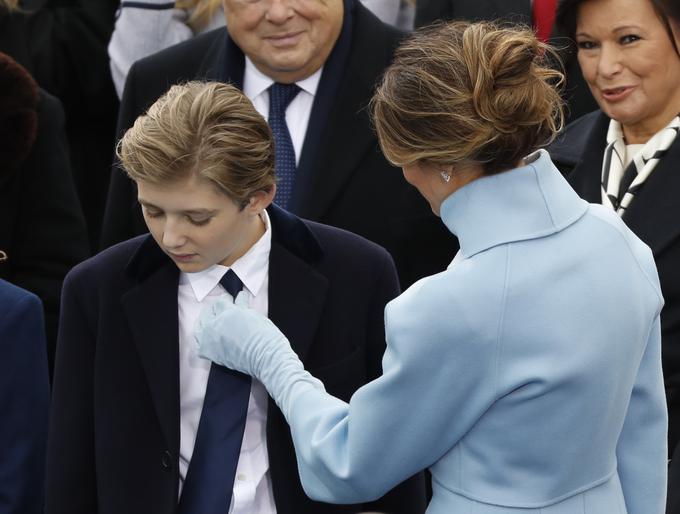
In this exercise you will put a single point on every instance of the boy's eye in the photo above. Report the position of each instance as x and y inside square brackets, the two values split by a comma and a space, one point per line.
[153, 214]
[199, 221]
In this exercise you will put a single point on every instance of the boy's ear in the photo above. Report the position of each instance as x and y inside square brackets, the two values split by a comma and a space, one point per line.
[260, 200]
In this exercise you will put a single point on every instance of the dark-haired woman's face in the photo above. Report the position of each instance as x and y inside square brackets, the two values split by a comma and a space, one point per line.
[630, 64]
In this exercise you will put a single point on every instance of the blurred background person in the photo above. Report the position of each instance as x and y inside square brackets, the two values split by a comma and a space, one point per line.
[527, 375]
[24, 398]
[312, 83]
[42, 233]
[626, 155]
[146, 27]
[62, 43]
[539, 14]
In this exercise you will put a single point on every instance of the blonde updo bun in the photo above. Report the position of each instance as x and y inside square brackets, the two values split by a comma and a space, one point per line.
[465, 92]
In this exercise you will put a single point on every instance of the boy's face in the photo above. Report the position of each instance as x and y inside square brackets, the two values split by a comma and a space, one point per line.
[199, 226]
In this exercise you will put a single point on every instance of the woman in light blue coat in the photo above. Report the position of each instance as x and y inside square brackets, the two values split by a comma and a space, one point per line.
[527, 375]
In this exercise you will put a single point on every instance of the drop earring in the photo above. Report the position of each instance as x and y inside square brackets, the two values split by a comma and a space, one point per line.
[446, 176]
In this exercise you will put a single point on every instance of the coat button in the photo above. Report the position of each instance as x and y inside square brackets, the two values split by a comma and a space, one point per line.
[166, 459]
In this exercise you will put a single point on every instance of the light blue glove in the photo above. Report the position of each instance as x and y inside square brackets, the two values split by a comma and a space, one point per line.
[235, 336]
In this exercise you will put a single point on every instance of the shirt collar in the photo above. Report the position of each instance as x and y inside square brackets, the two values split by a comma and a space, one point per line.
[255, 82]
[524, 203]
[252, 268]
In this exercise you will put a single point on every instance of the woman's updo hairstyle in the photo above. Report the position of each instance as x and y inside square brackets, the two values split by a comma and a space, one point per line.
[463, 92]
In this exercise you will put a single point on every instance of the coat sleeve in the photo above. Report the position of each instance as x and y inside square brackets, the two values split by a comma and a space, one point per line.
[438, 380]
[642, 449]
[70, 484]
[24, 397]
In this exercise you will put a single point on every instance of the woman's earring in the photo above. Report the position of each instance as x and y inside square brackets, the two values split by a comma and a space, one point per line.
[446, 176]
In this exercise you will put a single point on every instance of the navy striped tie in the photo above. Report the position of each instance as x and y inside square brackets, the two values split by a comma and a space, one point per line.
[209, 482]
[280, 96]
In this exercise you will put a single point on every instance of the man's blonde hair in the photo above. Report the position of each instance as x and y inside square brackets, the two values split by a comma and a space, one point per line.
[208, 130]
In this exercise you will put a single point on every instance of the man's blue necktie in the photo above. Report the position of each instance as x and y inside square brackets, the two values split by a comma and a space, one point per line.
[209, 482]
[280, 96]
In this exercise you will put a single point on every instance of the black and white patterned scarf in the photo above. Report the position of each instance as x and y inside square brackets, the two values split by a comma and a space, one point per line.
[642, 165]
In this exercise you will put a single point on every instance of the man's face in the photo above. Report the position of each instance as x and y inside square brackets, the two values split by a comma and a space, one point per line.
[287, 40]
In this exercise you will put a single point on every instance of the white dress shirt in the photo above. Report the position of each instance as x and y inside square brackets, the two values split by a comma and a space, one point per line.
[256, 88]
[252, 491]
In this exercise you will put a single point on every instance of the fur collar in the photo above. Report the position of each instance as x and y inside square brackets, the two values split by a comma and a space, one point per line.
[18, 115]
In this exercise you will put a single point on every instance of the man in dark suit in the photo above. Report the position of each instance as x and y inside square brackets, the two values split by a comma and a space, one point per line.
[24, 398]
[334, 51]
[133, 405]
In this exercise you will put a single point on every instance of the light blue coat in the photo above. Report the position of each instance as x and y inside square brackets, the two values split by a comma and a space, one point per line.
[527, 376]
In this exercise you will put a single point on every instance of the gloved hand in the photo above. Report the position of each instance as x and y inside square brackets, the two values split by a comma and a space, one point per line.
[237, 337]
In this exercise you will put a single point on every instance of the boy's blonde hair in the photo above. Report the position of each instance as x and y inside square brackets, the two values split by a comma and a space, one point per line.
[208, 130]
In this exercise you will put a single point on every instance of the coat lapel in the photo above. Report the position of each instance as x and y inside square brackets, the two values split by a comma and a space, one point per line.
[151, 310]
[654, 213]
[586, 175]
[339, 116]
[297, 291]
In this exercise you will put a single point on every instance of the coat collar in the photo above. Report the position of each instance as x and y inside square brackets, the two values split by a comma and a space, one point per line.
[525, 203]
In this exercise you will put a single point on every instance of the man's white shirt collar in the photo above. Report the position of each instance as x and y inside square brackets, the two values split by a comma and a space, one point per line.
[255, 82]
[251, 268]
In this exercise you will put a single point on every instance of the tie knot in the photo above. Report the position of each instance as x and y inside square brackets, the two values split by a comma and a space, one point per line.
[231, 283]
[281, 95]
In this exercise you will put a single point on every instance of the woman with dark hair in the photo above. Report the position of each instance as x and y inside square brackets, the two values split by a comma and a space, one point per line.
[527, 375]
[626, 154]
[42, 233]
